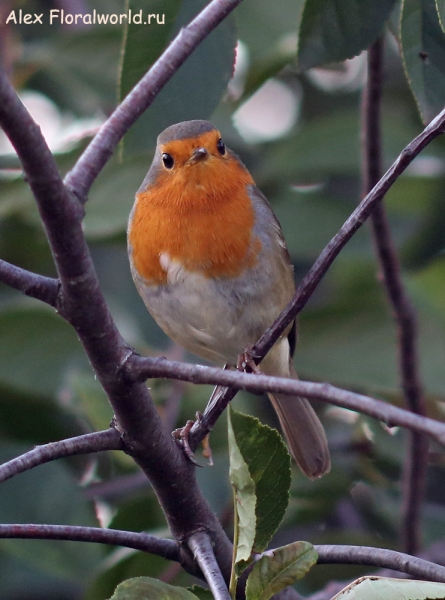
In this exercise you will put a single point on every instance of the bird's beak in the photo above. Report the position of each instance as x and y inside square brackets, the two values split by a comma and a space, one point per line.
[198, 155]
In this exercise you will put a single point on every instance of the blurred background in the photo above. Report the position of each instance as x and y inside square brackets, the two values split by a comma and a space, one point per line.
[299, 135]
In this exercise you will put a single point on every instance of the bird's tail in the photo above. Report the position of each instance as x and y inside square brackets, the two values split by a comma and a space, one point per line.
[304, 434]
[303, 431]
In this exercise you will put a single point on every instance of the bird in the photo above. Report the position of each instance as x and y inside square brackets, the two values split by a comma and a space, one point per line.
[208, 257]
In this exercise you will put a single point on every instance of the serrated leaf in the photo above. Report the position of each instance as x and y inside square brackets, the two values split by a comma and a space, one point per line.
[146, 588]
[244, 497]
[262, 451]
[334, 30]
[279, 568]
[385, 588]
[423, 51]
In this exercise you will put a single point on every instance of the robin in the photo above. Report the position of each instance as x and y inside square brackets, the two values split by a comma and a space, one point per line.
[210, 262]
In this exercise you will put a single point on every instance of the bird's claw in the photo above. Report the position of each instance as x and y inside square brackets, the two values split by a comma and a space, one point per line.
[246, 362]
[181, 436]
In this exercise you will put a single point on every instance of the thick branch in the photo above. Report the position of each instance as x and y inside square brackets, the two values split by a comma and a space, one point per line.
[141, 368]
[404, 316]
[82, 444]
[80, 179]
[83, 305]
[42, 288]
[201, 546]
[379, 557]
[145, 542]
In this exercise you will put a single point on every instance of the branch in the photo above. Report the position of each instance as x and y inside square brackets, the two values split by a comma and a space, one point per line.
[416, 461]
[145, 542]
[42, 288]
[109, 439]
[201, 546]
[141, 368]
[353, 223]
[82, 304]
[82, 176]
[379, 557]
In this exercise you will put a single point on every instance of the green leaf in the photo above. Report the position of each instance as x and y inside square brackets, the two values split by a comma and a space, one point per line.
[124, 565]
[423, 51]
[144, 43]
[196, 88]
[36, 348]
[334, 30]
[261, 20]
[263, 475]
[384, 588]
[244, 497]
[201, 593]
[112, 197]
[146, 588]
[279, 568]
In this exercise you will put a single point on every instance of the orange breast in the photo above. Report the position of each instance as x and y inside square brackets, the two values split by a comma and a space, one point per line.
[201, 216]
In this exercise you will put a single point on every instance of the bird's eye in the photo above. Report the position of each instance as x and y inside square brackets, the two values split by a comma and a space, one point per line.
[221, 147]
[168, 160]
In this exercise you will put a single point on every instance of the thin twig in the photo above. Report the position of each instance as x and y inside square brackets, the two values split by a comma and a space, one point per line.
[82, 176]
[201, 546]
[404, 315]
[99, 441]
[145, 542]
[379, 557]
[141, 368]
[36, 286]
[350, 227]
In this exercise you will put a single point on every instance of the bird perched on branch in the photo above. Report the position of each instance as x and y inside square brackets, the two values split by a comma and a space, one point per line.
[209, 259]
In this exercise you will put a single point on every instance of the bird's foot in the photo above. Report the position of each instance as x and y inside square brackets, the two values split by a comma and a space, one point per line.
[181, 436]
[246, 362]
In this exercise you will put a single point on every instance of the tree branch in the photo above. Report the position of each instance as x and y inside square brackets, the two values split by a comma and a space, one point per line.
[201, 546]
[81, 177]
[379, 557]
[350, 227]
[99, 441]
[36, 286]
[145, 542]
[137, 419]
[416, 460]
[141, 368]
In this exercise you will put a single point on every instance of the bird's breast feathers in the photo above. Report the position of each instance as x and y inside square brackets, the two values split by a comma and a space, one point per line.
[208, 275]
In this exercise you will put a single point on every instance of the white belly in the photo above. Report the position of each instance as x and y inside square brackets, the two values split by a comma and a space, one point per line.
[215, 319]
